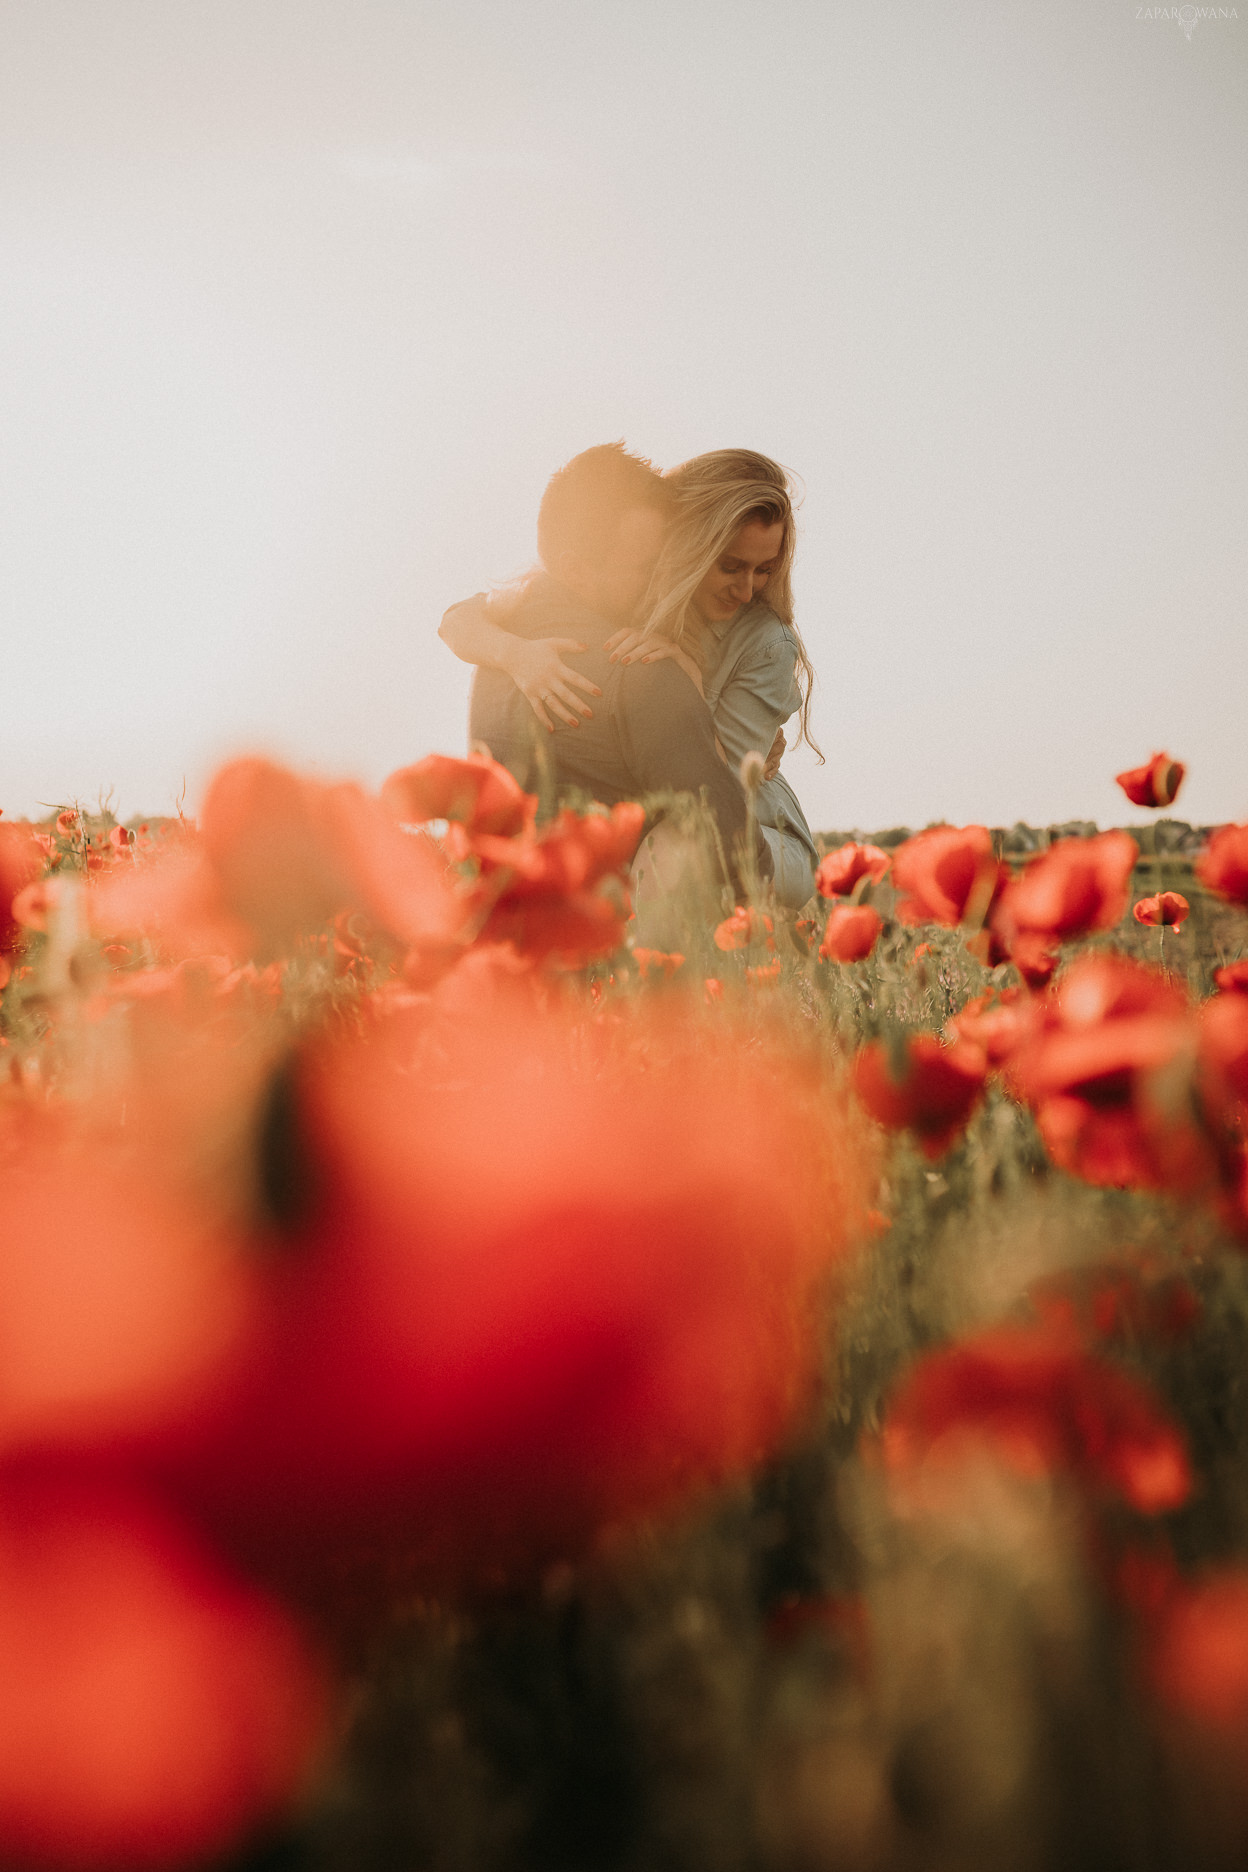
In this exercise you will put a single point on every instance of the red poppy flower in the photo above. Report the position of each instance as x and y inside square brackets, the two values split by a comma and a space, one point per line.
[1224, 1059]
[1223, 865]
[154, 1709]
[999, 1024]
[851, 933]
[1144, 1298]
[1155, 784]
[1107, 1072]
[1035, 963]
[1233, 979]
[1167, 909]
[657, 962]
[291, 853]
[764, 974]
[21, 863]
[1077, 886]
[570, 929]
[949, 875]
[742, 928]
[488, 1329]
[279, 856]
[1043, 1404]
[840, 870]
[477, 793]
[928, 1089]
[1197, 1649]
[544, 890]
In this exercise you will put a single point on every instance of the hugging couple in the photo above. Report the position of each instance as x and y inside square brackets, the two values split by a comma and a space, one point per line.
[670, 596]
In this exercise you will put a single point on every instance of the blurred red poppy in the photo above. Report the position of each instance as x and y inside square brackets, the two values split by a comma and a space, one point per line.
[851, 933]
[949, 875]
[478, 793]
[1223, 1061]
[840, 870]
[1108, 1073]
[279, 856]
[1155, 784]
[544, 890]
[1197, 1649]
[925, 1087]
[658, 963]
[118, 1304]
[742, 928]
[1077, 886]
[1233, 979]
[1140, 1297]
[21, 863]
[1223, 865]
[998, 1023]
[1043, 1403]
[154, 1709]
[1035, 963]
[1167, 909]
[533, 1274]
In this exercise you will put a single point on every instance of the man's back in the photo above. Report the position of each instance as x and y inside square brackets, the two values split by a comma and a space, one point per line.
[650, 730]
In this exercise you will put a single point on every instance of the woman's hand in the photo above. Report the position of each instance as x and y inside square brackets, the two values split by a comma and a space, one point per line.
[629, 646]
[537, 668]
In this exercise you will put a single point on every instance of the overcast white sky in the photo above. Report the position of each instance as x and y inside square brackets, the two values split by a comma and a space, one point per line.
[302, 300]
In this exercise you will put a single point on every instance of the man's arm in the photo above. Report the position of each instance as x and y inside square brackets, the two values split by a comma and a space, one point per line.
[533, 664]
[667, 737]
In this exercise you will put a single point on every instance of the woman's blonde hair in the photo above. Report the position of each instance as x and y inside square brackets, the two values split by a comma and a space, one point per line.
[713, 497]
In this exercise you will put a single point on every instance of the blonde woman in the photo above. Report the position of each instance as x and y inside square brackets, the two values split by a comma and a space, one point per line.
[719, 603]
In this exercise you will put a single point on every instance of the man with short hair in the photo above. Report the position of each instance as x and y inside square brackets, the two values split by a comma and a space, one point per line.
[599, 530]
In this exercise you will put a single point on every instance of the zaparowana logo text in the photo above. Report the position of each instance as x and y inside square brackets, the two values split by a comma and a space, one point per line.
[1187, 17]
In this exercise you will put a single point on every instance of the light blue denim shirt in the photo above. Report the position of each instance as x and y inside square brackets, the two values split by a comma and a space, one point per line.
[749, 675]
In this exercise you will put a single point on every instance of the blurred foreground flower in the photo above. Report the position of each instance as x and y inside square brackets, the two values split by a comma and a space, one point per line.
[560, 892]
[21, 862]
[1043, 1404]
[154, 1708]
[1223, 865]
[841, 870]
[477, 793]
[1077, 886]
[278, 856]
[1108, 1071]
[923, 1087]
[948, 875]
[526, 1278]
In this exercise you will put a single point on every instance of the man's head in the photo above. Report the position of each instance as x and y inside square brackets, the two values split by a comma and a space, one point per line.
[600, 526]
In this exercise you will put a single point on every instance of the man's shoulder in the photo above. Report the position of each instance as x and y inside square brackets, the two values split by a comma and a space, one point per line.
[548, 609]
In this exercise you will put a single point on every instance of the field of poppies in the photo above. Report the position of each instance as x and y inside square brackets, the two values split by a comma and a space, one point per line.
[481, 1390]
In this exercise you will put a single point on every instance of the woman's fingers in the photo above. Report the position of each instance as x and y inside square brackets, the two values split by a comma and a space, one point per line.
[625, 641]
[535, 703]
[559, 692]
[582, 682]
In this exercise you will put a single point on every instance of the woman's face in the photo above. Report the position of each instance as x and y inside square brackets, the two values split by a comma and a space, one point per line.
[740, 572]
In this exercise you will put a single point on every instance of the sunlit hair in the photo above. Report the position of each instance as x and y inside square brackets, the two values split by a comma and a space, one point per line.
[581, 511]
[588, 497]
[713, 497]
